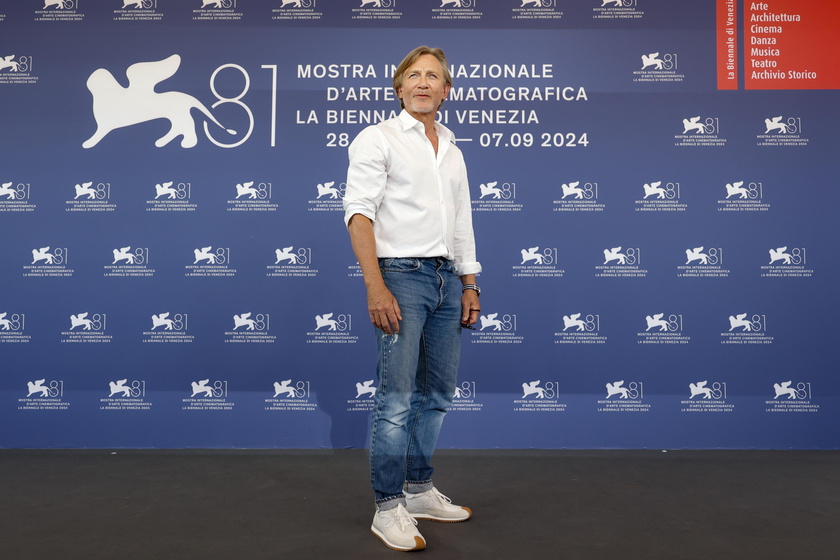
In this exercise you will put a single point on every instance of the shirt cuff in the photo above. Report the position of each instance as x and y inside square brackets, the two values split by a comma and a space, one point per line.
[355, 208]
[462, 269]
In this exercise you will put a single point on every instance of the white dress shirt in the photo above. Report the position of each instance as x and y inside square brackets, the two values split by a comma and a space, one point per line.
[419, 202]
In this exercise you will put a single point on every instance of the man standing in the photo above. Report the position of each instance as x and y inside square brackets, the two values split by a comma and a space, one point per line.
[407, 209]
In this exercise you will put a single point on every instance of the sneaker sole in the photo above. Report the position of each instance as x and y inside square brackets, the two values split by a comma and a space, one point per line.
[419, 543]
[443, 519]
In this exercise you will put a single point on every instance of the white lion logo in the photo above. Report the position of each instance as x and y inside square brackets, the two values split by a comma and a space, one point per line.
[737, 188]
[327, 188]
[775, 124]
[490, 189]
[654, 189]
[572, 189]
[696, 254]
[652, 59]
[614, 254]
[617, 389]
[115, 106]
[700, 388]
[780, 254]
[123, 254]
[694, 124]
[365, 388]
[533, 388]
[284, 387]
[10, 63]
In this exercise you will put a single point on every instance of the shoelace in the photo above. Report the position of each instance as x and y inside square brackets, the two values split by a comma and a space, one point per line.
[441, 496]
[402, 517]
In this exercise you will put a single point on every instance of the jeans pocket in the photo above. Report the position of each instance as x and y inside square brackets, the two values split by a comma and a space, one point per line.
[399, 265]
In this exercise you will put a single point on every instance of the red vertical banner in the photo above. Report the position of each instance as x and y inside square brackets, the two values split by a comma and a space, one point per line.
[727, 44]
[791, 44]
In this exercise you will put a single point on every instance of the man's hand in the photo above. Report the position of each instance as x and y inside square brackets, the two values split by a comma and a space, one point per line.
[470, 308]
[382, 305]
[384, 310]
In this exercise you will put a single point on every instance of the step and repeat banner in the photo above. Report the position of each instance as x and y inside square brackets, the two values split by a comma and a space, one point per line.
[654, 184]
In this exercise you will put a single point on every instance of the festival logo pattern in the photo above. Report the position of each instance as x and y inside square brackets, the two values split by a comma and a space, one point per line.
[662, 329]
[168, 327]
[703, 262]
[49, 262]
[746, 328]
[377, 10]
[251, 328]
[579, 196]
[496, 328]
[58, 11]
[332, 328]
[216, 10]
[292, 262]
[511, 110]
[700, 131]
[125, 395]
[791, 397]
[780, 130]
[15, 197]
[539, 396]
[17, 68]
[466, 398]
[207, 395]
[129, 262]
[330, 197]
[661, 196]
[706, 397]
[297, 11]
[580, 328]
[172, 196]
[91, 196]
[496, 196]
[291, 396]
[624, 396]
[744, 196]
[538, 262]
[658, 67]
[137, 10]
[535, 10]
[456, 10]
[787, 262]
[616, 9]
[252, 196]
[44, 394]
[621, 262]
[13, 328]
[209, 262]
[87, 328]
[363, 401]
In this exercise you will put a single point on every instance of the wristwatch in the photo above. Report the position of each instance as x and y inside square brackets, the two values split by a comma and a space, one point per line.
[471, 287]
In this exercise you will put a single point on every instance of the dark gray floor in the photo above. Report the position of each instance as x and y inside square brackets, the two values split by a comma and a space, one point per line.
[316, 504]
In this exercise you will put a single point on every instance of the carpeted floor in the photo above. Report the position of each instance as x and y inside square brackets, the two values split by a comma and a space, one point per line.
[628, 505]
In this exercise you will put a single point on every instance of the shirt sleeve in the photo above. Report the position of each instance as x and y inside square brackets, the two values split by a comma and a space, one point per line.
[465, 254]
[366, 175]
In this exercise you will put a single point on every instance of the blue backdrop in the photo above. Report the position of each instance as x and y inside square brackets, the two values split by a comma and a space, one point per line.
[656, 252]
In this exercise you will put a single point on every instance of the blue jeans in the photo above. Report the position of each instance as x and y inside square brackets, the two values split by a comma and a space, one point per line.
[417, 371]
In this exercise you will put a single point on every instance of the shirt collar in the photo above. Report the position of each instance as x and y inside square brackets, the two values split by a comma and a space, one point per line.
[408, 122]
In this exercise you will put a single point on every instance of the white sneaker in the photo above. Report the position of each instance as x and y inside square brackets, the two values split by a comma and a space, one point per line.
[397, 529]
[434, 505]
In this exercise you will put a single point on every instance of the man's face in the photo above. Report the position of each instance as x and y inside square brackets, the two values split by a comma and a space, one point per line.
[423, 86]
